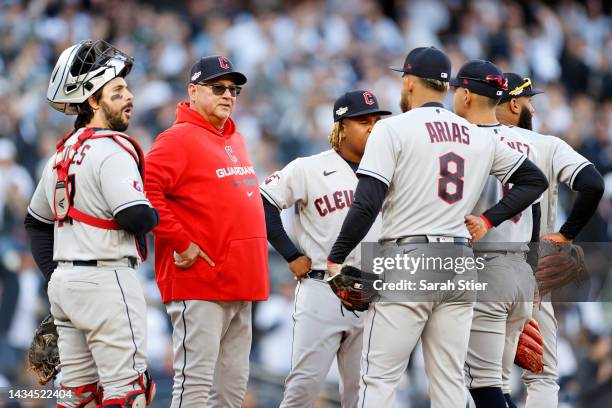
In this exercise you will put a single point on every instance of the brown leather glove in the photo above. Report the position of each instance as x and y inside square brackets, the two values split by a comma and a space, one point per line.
[559, 265]
[43, 354]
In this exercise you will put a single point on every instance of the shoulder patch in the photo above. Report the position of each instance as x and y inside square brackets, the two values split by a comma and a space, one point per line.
[273, 179]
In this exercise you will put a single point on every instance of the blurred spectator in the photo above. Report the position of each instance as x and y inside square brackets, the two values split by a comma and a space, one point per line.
[273, 321]
[16, 187]
[299, 57]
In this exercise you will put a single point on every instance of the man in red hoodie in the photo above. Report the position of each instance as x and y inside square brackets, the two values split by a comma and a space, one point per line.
[211, 250]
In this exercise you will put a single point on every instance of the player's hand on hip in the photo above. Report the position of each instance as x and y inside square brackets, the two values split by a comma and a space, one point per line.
[476, 227]
[300, 267]
[556, 237]
[333, 268]
[188, 257]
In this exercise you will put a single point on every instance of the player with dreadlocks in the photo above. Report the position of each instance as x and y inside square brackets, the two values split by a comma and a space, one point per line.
[322, 188]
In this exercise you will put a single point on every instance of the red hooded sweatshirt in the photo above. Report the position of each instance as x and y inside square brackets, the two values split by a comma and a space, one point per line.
[202, 182]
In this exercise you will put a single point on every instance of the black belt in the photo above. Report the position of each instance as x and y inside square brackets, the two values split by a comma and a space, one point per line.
[317, 274]
[424, 239]
[502, 252]
[131, 262]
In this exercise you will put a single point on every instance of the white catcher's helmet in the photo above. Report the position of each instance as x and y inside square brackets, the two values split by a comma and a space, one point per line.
[81, 70]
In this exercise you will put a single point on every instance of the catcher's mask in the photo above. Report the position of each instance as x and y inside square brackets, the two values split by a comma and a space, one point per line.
[81, 70]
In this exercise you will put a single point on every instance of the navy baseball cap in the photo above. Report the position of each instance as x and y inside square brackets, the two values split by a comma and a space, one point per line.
[427, 62]
[481, 77]
[356, 103]
[518, 86]
[212, 67]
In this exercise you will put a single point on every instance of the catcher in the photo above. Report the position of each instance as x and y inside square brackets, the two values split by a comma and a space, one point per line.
[322, 188]
[86, 223]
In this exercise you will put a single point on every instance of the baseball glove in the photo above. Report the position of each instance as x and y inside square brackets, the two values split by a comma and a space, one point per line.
[558, 265]
[354, 287]
[530, 350]
[43, 355]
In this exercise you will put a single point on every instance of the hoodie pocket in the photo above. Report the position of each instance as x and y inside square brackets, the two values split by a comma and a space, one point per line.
[240, 255]
[243, 255]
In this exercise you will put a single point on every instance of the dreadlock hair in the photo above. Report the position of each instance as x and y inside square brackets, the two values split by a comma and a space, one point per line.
[86, 112]
[335, 138]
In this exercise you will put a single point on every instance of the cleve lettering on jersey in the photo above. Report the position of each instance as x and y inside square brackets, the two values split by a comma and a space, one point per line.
[329, 203]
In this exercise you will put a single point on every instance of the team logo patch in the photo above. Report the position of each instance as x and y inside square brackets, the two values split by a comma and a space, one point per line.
[196, 75]
[341, 111]
[498, 93]
[443, 75]
[135, 184]
[273, 179]
[369, 98]
[224, 62]
[230, 154]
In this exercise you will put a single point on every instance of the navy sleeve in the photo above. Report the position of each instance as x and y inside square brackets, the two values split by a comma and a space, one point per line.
[590, 187]
[528, 184]
[369, 197]
[536, 212]
[277, 236]
[41, 243]
[138, 219]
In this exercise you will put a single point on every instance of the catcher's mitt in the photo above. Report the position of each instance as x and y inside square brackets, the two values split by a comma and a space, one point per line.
[43, 355]
[558, 265]
[354, 287]
[530, 350]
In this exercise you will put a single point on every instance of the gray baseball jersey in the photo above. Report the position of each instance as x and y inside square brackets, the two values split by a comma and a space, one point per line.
[106, 181]
[560, 163]
[323, 187]
[519, 228]
[496, 324]
[433, 196]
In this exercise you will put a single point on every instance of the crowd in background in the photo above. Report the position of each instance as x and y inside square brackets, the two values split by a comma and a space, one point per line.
[298, 57]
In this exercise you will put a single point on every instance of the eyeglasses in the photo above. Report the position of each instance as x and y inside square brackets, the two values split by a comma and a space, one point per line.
[519, 89]
[498, 81]
[219, 89]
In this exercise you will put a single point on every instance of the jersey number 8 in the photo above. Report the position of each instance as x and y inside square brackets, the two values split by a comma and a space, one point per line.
[451, 172]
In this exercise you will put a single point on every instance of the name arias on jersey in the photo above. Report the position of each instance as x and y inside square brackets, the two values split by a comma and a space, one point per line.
[442, 131]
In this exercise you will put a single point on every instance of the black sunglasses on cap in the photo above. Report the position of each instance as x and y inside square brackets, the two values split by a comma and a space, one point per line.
[219, 89]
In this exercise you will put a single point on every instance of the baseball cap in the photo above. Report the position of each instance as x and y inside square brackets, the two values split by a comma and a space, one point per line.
[356, 103]
[481, 77]
[427, 62]
[518, 86]
[212, 67]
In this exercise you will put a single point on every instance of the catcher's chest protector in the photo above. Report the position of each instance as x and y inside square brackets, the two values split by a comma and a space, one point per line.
[63, 198]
